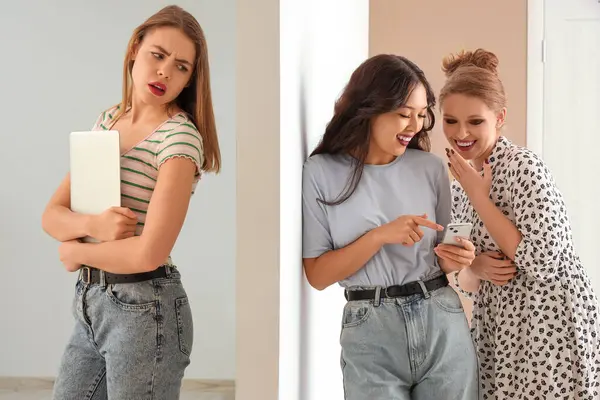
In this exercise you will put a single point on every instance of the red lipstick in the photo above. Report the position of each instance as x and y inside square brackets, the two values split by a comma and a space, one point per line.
[157, 88]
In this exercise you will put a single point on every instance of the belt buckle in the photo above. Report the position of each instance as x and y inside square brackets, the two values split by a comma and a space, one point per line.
[83, 275]
[385, 293]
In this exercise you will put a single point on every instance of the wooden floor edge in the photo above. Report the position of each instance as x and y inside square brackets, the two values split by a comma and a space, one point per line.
[17, 383]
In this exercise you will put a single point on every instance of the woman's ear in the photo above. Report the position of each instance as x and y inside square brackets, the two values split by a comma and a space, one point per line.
[500, 118]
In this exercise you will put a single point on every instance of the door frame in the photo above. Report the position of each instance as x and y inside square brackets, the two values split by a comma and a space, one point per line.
[535, 75]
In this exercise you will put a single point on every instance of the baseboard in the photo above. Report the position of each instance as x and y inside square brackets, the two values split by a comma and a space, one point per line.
[207, 385]
[25, 383]
[190, 385]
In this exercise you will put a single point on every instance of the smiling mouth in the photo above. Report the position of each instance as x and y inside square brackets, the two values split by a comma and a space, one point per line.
[404, 139]
[465, 145]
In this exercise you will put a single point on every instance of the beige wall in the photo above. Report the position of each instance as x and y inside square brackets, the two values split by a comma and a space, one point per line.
[257, 200]
[426, 30]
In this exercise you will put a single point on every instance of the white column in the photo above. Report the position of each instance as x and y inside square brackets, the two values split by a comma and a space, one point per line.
[290, 72]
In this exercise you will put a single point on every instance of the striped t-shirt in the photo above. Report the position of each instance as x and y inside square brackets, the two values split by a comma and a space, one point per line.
[176, 137]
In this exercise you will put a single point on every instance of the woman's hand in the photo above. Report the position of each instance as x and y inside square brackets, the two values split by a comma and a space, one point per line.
[470, 180]
[494, 267]
[66, 251]
[405, 230]
[455, 258]
[116, 223]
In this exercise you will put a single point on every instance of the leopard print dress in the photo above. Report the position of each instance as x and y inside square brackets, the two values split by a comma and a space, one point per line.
[538, 336]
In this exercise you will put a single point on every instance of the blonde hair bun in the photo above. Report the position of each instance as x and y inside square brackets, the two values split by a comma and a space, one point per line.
[479, 58]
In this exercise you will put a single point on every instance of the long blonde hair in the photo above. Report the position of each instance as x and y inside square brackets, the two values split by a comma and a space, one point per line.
[196, 98]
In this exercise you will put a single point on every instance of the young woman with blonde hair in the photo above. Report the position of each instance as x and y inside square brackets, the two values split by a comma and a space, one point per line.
[134, 332]
[535, 317]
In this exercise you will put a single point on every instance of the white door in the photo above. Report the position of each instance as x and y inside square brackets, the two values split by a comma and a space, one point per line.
[571, 138]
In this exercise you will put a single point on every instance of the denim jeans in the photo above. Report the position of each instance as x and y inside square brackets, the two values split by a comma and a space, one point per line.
[417, 347]
[131, 341]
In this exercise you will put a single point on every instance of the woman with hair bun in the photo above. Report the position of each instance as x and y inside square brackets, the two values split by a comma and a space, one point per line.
[535, 318]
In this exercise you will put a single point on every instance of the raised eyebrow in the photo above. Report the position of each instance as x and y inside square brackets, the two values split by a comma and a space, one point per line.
[162, 50]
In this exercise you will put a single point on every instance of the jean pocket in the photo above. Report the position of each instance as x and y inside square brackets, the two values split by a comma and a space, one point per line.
[447, 299]
[139, 296]
[185, 325]
[356, 313]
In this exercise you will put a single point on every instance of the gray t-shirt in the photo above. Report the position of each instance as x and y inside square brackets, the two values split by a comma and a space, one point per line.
[415, 183]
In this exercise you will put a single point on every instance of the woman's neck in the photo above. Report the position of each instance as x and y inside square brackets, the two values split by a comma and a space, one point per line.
[378, 157]
[478, 162]
[140, 111]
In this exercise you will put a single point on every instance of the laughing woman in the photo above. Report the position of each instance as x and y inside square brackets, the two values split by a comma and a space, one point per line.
[535, 317]
[371, 194]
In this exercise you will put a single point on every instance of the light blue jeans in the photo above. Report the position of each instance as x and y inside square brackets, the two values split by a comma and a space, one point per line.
[131, 341]
[417, 347]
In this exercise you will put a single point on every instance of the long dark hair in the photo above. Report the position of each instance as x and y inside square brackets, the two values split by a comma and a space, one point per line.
[381, 84]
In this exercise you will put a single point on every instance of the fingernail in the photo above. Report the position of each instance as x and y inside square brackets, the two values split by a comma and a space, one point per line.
[452, 151]
[487, 161]
[449, 165]
[447, 150]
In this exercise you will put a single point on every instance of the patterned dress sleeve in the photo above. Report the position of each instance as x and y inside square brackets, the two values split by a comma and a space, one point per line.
[540, 216]
[457, 200]
[457, 204]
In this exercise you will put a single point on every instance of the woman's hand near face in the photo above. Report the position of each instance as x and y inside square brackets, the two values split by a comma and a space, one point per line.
[470, 180]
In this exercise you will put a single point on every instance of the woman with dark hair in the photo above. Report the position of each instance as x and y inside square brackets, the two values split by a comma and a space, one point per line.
[375, 203]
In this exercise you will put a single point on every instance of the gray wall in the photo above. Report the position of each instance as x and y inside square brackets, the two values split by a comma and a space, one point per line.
[61, 66]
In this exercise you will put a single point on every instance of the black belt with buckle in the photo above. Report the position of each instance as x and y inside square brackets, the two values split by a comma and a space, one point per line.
[91, 275]
[408, 289]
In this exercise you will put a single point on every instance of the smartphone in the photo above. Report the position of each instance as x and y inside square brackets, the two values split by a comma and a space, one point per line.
[459, 229]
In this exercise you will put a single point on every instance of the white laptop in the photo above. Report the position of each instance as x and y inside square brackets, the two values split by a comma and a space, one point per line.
[95, 168]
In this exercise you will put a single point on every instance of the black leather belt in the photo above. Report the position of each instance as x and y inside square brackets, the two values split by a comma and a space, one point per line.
[405, 290]
[91, 275]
